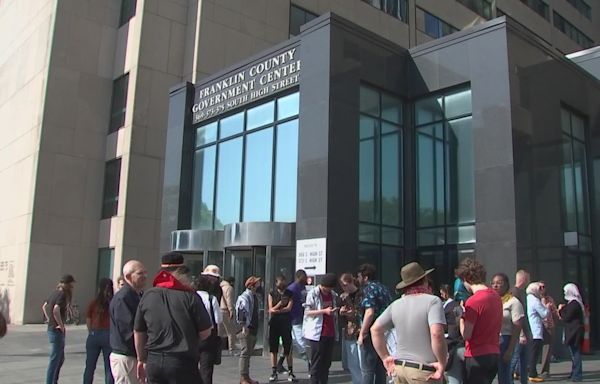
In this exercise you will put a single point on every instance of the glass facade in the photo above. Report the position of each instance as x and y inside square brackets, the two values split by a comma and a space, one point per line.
[445, 181]
[380, 176]
[112, 178]
[571, 31]
[127, 11]
[106, 258]
[582, 7]
[432, 25]
[481, 7]
[575, 199]
[299, 17]
[245, 165]
[119, 103]
[539, 6]
[396, 8]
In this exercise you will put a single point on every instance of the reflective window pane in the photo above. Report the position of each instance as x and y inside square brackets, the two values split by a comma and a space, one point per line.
[565, 121]
[368, 127]
[229, 182]
[568, 188]
[458, 104]
[257, 176]
[368, 233]
[431, 236]
[206, 134]
[261, 115]
[429, 110]
[391, 236]
[391, 108]
[204, 183]
[391, 180]
[460, 172]
[369, 101]
[286, 166]
[231, 125]
[112, 180]
[288, 106]
[430, 176]
[367, 210]
[580, 173]
[578, 127]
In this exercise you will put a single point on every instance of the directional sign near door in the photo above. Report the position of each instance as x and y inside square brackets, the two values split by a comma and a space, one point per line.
[311, 255]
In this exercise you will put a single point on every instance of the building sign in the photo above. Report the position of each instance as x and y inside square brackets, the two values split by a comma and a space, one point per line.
[254, 82]
[311, 255]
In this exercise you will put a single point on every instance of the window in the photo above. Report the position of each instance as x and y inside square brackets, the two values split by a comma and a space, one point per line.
[540, 7]
[581, 7]
[574, 178]
[110, 199]
[127, 11]
[445, 181]
[119, 103]
[396, 8]
[573, 33]
[380, 168]
[106, 257]
[432, 25]
[481, 7]
[245, 166]
[299, 17]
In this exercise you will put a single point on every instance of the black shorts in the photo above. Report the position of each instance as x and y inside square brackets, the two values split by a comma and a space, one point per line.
[280, 328]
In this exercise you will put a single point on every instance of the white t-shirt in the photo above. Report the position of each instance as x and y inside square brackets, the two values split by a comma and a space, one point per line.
[512, 311]
[411, 316]
[216, 309]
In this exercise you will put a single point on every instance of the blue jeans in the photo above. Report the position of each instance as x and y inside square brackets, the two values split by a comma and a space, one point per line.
[504, 373]
[455, 372]
[57, 355]
[519, 362]
[373, 371]
[576, 369]
[352, 359]
[97, 341]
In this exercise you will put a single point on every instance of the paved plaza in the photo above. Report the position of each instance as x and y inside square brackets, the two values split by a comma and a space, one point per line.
[24, 357]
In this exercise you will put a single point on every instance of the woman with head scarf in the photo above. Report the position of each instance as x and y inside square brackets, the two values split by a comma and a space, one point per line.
[536, 312]
[572, 315]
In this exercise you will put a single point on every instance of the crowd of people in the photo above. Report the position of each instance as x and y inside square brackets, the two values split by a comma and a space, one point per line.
[177, 330]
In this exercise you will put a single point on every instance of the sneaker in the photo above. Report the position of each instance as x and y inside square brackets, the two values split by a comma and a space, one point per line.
[545, 375]
[536, 379]
[273, 377]
[292, 377]
[515, 376]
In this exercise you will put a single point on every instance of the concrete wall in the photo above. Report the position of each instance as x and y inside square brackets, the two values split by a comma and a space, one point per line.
[25, 41]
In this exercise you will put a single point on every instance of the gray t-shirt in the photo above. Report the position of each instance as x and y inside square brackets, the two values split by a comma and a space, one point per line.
[411, 316]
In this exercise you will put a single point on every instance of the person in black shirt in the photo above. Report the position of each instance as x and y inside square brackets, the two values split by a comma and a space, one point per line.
[55, 309]
[169, 324]
[122, 313]
[280, 326]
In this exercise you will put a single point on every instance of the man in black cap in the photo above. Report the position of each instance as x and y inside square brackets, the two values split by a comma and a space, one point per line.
[169, 323]
[55, 310]
[418, 320]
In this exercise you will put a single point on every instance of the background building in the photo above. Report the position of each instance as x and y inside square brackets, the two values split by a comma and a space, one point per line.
[84, 91]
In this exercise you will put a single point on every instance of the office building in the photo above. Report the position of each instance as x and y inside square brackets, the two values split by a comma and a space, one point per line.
[84, 100]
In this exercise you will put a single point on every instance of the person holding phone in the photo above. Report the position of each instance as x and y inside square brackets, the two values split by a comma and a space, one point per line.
[320, 325]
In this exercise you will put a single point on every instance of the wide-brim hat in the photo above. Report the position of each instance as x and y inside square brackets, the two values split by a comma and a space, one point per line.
[251, 281]
[412, 273]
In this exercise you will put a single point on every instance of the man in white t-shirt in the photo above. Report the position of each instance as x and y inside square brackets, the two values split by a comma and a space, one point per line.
[418, 320]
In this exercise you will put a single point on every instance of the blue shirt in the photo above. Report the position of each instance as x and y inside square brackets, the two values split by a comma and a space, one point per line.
[298, 296]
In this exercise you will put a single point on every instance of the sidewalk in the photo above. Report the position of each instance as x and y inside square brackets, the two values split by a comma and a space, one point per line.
[24, 358]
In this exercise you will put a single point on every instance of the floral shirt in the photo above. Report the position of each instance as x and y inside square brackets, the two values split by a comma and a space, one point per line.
[352, 303]
[375, 295]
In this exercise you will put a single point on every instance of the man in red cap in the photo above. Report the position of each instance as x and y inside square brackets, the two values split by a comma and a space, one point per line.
[246, 308]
